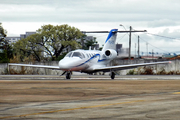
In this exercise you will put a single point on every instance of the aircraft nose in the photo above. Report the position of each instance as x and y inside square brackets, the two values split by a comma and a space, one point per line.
[63, 64]
[68, 63]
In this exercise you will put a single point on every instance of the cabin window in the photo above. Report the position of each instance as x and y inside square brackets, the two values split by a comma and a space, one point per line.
[83, 55]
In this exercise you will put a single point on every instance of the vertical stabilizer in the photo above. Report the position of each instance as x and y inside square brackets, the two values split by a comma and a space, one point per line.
[110, 41]
[89, 47]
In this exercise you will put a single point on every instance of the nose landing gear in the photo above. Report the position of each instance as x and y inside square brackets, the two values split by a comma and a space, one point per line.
[112, 75]
[68, 75]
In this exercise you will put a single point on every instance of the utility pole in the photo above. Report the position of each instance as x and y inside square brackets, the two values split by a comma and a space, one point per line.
[130, 28]
[135, 49]
[130, 31]
[138, 47]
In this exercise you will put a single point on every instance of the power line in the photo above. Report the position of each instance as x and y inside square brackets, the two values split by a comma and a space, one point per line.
[162, 36]
[121, 37]
[152, 45]
[136, 35]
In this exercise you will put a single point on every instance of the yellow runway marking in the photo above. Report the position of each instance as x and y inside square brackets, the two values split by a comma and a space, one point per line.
[55, 111]
[176, 93]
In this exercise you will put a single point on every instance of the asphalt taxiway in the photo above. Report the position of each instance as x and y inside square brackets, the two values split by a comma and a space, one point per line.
[89, 97]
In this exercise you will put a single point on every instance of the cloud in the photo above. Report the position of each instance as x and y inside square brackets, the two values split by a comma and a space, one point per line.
[87, 11]
[162, 23]
[156, 16]
[171, 35]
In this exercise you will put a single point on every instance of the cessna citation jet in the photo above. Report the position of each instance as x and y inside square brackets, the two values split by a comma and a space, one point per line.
[91, 61]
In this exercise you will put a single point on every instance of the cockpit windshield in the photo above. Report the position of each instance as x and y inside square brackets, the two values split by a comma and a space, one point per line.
[78, 54]
[75, 54]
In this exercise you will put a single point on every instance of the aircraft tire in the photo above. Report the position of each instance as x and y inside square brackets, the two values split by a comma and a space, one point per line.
[112, 75]
[68, 76]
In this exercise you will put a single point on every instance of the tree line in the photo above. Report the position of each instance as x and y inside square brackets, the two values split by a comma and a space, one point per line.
[48, 44]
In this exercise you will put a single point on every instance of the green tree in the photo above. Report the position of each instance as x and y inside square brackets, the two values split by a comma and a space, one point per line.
[5, 48]
[29, 46]
[57, 39]
[50, 40]
[87, 43]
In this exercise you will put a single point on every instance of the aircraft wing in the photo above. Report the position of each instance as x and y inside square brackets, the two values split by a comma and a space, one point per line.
[123, 67]
[37, 66]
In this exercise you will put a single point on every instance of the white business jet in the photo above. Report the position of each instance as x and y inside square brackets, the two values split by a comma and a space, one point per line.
[91, 61]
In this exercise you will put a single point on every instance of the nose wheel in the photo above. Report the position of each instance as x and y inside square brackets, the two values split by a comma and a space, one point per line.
[112, 75]
[68, 75]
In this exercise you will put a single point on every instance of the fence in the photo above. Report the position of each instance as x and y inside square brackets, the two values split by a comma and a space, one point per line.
[174, 67]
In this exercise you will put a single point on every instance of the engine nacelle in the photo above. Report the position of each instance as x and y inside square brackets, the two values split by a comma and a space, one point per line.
[110, 53]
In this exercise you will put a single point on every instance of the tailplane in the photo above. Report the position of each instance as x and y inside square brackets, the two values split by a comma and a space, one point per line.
[110, 41]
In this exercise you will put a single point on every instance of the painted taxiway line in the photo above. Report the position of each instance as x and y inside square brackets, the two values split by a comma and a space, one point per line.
[63, 110]
[176, 93]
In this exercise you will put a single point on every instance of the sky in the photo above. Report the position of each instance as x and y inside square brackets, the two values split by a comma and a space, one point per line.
[160, 17]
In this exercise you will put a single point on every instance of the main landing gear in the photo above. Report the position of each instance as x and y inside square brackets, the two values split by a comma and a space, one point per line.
[68, 75]
[112, 75]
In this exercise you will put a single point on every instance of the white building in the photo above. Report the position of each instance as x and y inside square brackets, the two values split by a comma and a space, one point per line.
[12, 39]
[22, 36]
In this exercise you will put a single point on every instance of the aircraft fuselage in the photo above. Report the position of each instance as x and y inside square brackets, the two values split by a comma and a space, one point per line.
[84, 60]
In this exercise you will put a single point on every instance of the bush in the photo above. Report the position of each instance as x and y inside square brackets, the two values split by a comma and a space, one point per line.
[147, 71]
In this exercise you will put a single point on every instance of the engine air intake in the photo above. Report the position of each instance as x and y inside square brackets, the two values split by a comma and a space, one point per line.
[107, 53]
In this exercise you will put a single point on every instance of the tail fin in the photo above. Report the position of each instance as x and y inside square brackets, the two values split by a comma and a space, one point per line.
[110, 41]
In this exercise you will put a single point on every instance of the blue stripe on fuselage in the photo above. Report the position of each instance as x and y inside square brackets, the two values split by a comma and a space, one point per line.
[91, 59]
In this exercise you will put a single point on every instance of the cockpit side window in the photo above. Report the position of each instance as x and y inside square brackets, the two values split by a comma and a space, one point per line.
[69, 54]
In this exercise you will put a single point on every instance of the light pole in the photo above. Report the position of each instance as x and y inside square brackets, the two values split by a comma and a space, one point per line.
[122, 26]
[138, 47]
[130, 30]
